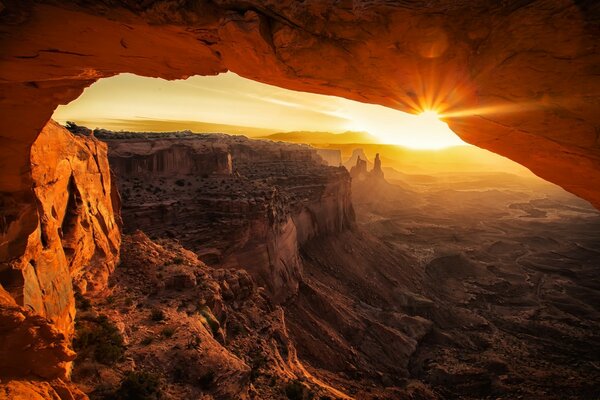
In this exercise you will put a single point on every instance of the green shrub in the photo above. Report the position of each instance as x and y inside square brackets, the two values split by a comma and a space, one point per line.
[210, 319]
[157, 315]
[147, 340]
[82, 302]
[139, 386]
[101, 338]
[178, 260]
[168, 332]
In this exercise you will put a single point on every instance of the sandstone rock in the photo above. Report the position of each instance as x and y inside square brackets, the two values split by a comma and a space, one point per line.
[77, 239]
[39, 390]
[31, 345]
[226, 347]
[376, 172]
[280, 196]
[353, 160]
[180, 278]
[333, 157]
[75, 243]
[511, 78]
[359, 171]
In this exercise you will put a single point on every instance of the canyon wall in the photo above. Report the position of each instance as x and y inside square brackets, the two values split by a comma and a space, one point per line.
[74, 246]
[254, 213]
[332, 157]
[515, 78]
[162, 158]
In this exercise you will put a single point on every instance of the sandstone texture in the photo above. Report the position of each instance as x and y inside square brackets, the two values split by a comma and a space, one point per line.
[518, 79]
[254, 210]
[218, 335]
[73, 247]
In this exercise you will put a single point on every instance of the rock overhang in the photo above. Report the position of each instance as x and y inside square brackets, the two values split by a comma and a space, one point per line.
[516, 79]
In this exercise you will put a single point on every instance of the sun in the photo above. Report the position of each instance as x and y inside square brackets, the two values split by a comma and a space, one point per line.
[424, 131]
[429, 115]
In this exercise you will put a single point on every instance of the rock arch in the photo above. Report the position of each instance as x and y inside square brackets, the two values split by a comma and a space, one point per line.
[517, 78]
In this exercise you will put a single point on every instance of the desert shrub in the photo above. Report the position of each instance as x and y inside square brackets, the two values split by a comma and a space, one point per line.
[168, 332]
[178, 260]
[101, 338]
[294, 390]
[147, 341]
[157, 315]
[206, 380]
[210, 319]
[193, 342]
[139, 386]
[82, 302]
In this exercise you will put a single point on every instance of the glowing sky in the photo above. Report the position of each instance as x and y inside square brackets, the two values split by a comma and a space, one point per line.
[232, 100]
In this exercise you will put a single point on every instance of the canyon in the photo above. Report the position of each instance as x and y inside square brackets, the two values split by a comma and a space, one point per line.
[518, 79]
[252, 269]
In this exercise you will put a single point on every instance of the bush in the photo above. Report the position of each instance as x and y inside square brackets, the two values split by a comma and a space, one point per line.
[294, 390]
[205, 381]
[168, 332]
[103, 339]
[210, 319]
[178, 260]
[193, 342]
[147, 341]
[82, 302]
[157, 315]
[139, 386]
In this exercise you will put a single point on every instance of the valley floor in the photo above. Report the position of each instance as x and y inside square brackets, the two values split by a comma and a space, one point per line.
[510, 266]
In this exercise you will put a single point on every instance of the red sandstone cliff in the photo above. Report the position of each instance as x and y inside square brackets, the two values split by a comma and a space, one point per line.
[253, 211]
[73, 246]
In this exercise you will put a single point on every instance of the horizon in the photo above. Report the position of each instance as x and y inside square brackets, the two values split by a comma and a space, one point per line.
[131, 102]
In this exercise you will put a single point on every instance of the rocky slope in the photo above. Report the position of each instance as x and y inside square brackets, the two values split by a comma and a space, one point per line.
[191, 330]
[73, 247]
[255, 210]
[280, 210]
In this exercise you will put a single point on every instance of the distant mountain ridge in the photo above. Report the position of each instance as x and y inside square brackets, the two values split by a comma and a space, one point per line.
[316, 137]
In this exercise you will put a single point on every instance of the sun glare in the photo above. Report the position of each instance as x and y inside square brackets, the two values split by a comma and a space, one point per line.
[128, 101]
[424, 131]
[429, 115]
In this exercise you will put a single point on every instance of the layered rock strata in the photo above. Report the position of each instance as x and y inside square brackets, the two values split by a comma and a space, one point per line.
[74, 246]
[218, 336]
[254, 211]
[515, 78]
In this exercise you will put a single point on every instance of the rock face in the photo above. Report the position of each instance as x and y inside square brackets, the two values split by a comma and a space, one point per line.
[359, 171]
[254, 211]
[218, 336]
[515, 78]
[149, 159]
[75, 245]
[353, 160]
[377, 172]
[332, 157]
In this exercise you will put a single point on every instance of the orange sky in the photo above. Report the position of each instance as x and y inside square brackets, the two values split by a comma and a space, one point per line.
[128, 101]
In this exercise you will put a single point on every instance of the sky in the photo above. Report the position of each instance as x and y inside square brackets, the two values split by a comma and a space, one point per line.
[128, 101]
